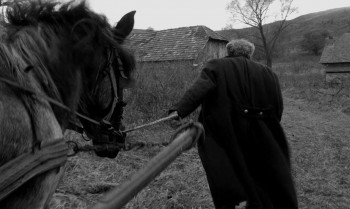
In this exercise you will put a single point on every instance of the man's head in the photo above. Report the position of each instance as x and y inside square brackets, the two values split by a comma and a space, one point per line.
[240, 47]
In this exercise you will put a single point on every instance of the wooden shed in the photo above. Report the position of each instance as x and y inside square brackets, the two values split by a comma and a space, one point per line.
[336, 57]
[194, 45]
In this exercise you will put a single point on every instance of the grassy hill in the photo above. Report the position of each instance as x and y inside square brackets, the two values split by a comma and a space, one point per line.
[336, 21]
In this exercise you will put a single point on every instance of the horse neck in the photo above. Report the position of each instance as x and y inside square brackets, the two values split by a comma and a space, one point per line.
[50, 63]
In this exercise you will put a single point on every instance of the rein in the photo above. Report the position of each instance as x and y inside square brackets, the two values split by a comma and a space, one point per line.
[49, 99]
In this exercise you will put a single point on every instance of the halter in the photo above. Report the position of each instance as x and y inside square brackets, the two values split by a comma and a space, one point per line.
[117, 91]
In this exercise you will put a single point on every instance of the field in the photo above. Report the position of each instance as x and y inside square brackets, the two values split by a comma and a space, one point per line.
[316, 121]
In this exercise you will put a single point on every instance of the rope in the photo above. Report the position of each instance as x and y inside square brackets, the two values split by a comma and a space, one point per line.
[49, 99]
[151, 123]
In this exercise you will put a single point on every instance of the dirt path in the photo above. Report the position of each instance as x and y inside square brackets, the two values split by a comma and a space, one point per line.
[320, 144]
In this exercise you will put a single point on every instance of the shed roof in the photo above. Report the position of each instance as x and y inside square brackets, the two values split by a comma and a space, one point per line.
[337, 51]
[183, 43]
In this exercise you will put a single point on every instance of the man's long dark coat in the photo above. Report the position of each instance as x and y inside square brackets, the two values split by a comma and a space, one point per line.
[245, 152]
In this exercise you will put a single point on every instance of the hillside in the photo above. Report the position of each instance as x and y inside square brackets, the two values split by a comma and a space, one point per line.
[336, 21]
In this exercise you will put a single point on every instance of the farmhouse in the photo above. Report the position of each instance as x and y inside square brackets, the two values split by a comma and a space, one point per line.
[193, 45]
[336, 57]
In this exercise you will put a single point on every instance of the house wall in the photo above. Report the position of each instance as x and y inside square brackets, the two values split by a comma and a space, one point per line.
[338, 68]
[166, 66]
[337, 78]
[212, 50]
[337, 72]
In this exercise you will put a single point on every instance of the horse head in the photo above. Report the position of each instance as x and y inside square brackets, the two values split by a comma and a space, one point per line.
[103, 101]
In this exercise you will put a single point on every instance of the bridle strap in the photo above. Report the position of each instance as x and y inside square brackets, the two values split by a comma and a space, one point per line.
[115, 93]
[117, 97]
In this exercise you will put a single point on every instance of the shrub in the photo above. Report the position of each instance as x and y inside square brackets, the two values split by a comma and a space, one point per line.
[158, 87]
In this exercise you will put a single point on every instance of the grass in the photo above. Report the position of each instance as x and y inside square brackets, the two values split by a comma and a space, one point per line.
[304, 78]
[314, 121]
[158, 88]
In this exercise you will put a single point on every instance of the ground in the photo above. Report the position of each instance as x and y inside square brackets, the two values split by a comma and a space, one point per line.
[320, 143]
[320, 146]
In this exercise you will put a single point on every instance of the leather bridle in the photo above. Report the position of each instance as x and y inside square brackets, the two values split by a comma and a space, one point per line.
[108, 132]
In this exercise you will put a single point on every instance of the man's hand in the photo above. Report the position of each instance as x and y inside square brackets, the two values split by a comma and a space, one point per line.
[176, 121]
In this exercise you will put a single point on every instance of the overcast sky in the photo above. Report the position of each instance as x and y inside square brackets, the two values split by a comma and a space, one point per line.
[165, 14]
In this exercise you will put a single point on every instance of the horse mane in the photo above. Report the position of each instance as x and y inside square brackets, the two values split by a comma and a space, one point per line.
[55, 40]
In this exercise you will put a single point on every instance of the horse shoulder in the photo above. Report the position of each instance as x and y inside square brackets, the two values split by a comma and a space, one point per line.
[15, 127]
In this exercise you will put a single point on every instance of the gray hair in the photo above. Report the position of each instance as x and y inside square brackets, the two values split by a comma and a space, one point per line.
[240, 47]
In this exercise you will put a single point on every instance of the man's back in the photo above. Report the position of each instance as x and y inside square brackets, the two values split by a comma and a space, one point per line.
[240, 81]
[243, 113]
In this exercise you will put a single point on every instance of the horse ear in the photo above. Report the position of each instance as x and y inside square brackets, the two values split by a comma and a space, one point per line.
[125, 25]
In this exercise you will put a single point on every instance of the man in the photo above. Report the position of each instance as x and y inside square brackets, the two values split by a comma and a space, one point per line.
[245, 152]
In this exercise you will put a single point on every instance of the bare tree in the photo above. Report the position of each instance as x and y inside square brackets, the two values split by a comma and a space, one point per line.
[255, 13]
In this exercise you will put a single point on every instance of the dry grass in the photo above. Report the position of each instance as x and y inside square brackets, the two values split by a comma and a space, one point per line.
[158, 88]
[314, 121]
[182, 185]
[320, 150]
[306, 80]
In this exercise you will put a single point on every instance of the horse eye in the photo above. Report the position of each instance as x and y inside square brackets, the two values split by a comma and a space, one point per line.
[28, 69]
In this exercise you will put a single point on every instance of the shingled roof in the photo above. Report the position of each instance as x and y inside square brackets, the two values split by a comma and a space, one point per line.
[337, 51]
[183, 43]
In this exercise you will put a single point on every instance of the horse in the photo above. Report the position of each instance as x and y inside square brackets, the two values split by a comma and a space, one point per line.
[53, 55]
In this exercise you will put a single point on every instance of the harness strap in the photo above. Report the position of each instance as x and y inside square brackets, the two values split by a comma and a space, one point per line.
[20, 170]
[115, 93]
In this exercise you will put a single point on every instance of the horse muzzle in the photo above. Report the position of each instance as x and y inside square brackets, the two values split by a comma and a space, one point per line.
[108, 144]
